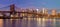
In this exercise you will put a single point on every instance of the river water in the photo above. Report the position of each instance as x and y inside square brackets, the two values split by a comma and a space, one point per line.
[30, 22]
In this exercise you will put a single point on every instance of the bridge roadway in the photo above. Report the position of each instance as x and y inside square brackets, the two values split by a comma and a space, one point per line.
[35, 13]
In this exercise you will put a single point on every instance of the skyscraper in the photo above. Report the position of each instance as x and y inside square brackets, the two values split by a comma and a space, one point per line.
[53, 12]
[45, 11]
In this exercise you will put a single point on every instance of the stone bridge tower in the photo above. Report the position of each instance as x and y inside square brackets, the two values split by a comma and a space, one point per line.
[12, 9]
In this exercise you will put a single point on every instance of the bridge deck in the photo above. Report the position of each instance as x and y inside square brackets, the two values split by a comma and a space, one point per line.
[35, 13]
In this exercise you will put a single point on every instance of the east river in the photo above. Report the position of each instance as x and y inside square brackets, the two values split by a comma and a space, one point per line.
[30, 22]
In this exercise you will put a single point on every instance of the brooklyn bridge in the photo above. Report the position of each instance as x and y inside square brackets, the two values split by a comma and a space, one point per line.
[16, 13]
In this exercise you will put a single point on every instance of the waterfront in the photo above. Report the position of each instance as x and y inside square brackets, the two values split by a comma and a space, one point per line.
[30, 22]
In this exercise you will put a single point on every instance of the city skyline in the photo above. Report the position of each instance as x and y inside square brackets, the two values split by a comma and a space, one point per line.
[29, 13]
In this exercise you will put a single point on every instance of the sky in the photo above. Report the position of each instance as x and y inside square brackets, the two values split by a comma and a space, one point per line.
[31, 3]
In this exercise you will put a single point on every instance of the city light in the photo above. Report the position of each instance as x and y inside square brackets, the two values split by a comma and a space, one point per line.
[37, 10]
[43, 10]
[29, 13]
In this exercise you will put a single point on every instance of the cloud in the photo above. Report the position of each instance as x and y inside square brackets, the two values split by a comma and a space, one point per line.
[43, 3]
[3, 7]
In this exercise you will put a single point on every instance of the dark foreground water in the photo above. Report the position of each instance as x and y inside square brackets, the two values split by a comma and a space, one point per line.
[30, 22]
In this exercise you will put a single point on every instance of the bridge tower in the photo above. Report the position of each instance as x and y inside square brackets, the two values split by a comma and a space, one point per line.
[12, 10]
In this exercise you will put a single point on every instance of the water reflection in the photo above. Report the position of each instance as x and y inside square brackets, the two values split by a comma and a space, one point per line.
[30, 22]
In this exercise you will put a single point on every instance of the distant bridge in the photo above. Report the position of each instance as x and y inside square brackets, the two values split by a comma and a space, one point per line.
[27, 14]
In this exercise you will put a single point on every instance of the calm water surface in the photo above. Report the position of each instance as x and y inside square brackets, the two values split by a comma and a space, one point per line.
[30, 22]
